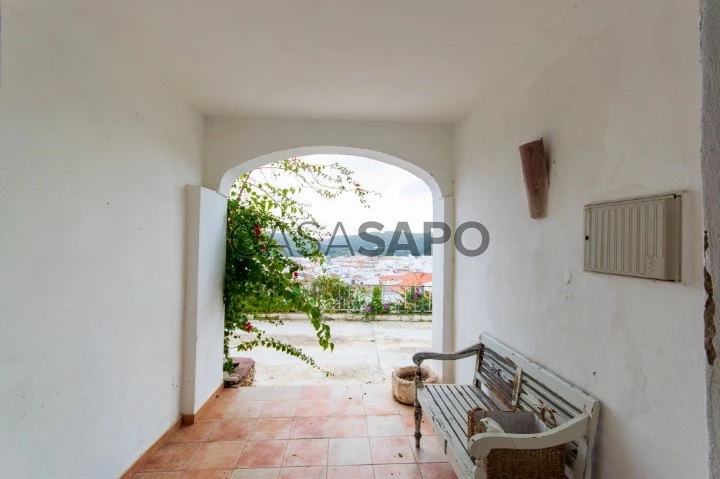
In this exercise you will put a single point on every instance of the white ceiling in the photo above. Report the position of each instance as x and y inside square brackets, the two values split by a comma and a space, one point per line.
[428, 60]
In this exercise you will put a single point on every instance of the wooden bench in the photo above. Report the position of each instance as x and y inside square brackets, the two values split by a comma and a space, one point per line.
[505, 380]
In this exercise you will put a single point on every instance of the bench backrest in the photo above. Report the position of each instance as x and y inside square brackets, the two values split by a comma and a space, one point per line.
[514, 382]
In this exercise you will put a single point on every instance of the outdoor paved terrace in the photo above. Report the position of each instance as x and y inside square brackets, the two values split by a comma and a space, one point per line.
[364, 352]
[305, 432]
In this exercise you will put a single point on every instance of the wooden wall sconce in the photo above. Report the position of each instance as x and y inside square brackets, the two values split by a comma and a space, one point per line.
[537, 182]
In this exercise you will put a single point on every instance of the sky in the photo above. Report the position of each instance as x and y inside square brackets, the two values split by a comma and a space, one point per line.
[403, 196]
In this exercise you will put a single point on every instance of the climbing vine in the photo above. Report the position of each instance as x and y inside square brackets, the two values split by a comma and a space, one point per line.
[258, 273]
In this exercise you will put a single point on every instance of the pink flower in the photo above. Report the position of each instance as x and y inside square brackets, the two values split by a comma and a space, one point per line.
[248, 327]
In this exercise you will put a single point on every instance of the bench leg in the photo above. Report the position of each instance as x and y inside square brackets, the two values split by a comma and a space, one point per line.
[418, 409]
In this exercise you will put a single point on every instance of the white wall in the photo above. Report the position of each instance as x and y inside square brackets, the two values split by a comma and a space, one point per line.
[235, 145]
[616, 95]
[93, 162]
[204, 318]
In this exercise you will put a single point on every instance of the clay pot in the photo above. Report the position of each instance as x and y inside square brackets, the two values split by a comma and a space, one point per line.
[403, 382]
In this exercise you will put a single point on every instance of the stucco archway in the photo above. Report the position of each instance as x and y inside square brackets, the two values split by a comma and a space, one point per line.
[232, 174]
[236, 145]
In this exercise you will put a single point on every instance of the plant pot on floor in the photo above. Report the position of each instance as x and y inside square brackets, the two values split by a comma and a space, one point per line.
[403, 382]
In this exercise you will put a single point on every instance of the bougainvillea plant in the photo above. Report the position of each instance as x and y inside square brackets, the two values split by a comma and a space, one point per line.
[257, 272]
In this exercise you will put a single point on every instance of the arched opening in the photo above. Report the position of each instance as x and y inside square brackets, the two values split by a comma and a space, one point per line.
[441, 206]
[232, 174]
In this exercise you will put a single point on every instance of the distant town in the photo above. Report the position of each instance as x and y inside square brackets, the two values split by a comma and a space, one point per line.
[369, 271]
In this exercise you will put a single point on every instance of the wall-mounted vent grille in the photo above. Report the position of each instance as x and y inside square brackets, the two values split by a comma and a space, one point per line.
[638, 237]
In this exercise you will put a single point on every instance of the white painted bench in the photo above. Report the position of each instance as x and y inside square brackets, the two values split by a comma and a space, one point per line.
[504, 380]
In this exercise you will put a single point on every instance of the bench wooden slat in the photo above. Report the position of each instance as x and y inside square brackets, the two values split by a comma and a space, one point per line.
[444, 414]
[532, 388]
[460, 458]
[498, 375]
[465, 402]
[456, 419]
[573, 395]
[453, 411]
[494, 401]
[486, 396]
[479, 395]
[444, 424]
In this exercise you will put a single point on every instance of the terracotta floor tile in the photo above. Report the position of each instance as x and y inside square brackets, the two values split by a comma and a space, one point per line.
[349, 452]
[347, 407]
[350, 472]
[206, 474]
[385, 426]
[239, 396]
[158, 475]
[262, 473]
[376, 391]
[271, 433]
[391, 450]
[431, 449]
[313, 407]
[306, 452]
[232, 430]
[348, 426]
[217, 455]
[243, 409]
[195, 432]
[310, 428]
[260, 393]
[272, 428]
[214, 411]
[309, 472]
[409, 421]
[258, 454]
[279, 409]
[405, 408]
[316, 392]
[397, 471]
[286, 393]
[229, 394]
[174, 456]
[347, 391]
[438, 470]
[380, 408]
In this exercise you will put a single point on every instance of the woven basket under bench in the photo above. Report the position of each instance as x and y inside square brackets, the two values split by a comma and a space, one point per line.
[546, 463]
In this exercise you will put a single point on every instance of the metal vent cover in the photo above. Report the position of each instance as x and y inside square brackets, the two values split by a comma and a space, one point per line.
[637, 237]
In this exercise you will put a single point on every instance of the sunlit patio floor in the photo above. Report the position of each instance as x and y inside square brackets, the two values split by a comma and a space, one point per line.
[306, 432]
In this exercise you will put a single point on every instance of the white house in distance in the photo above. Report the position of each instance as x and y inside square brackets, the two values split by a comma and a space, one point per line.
[124, 123]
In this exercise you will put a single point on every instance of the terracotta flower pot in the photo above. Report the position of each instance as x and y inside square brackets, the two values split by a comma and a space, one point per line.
[403, 382]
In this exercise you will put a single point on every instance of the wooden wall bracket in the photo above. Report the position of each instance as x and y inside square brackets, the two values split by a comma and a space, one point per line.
[535, 172]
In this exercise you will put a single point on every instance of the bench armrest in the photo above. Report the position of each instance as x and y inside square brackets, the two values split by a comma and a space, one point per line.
[418, 358]
[480, 445]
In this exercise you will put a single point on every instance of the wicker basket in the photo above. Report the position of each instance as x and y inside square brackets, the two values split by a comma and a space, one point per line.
[547, 463]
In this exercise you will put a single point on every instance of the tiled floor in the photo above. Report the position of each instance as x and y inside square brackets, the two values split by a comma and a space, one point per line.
[305, 432]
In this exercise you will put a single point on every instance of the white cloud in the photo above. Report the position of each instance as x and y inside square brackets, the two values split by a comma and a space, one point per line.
[403, 196]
